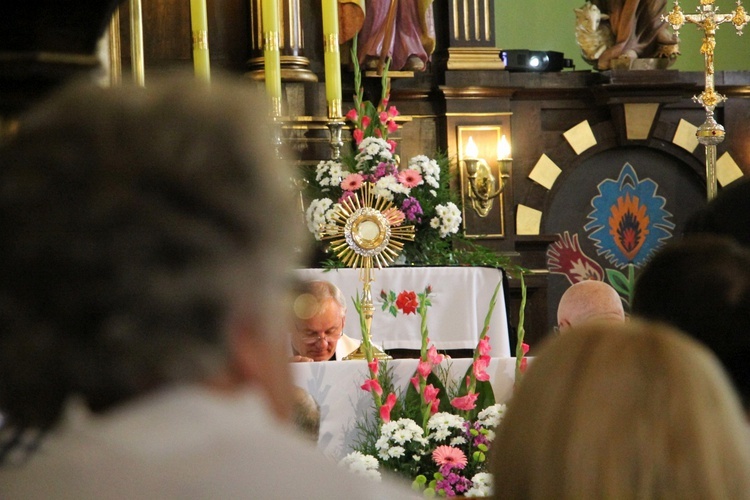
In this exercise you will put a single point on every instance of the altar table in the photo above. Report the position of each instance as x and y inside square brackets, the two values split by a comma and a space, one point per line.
[335, 386]
[460, 299]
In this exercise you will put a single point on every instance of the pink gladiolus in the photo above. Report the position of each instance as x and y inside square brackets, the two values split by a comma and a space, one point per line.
[378, 133]
[352, 182]
[385, 409]
[358, 135]
[372, 385]
[435, 406]
[365, 121]
[392, 112]
[433, 355]
[525, 347]
[383, 117]
[392, 126]
[424, 368]
[484, 346]
[384, 102]
[430, 393]
[480, 368]
[352, 115]
[415, 382]
[466, 403]
[391, 145]
[522, 366]
[373, 365]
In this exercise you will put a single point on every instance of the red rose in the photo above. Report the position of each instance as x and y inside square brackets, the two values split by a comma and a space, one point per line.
[407, 302]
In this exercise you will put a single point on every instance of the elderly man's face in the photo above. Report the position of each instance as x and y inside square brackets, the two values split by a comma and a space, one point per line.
[317, 337]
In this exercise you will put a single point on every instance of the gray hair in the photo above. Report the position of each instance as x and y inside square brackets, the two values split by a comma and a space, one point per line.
[142, 221]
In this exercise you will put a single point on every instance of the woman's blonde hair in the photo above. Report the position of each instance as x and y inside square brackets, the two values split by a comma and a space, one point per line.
[633, 410]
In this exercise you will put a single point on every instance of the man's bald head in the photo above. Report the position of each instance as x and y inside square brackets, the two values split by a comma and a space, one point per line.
[587, 300]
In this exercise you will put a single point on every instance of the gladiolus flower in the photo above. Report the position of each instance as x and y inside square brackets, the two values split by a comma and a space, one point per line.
[430, 393]
[415, 382]
[358, 135]
[372, 385]
[378, 133]
[352, 115]
[433, 355]
[480, 368]
[466, 403]
[522, 366]
[435, 406]
[448, 455]
[424, 368]
[525, 347]
[385, 408]
[407, 302]
[392, 111]
[352, 182]
[391, 145]
[392, 126]
[484, 346]
[383, 117]
[365, 121]
[373, 365]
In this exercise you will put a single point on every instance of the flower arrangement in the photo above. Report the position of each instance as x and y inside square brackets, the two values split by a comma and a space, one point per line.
[438, 432]
[419, 190]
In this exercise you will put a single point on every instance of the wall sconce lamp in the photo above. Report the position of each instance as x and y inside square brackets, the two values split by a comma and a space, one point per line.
[482, 183]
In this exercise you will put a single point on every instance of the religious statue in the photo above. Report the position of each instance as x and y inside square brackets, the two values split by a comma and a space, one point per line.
[402, 30]
[609, 30]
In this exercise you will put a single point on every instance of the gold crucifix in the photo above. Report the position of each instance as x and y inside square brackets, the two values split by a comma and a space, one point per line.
[708, 19]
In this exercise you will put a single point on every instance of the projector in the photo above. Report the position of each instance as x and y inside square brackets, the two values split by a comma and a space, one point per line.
[534, 60]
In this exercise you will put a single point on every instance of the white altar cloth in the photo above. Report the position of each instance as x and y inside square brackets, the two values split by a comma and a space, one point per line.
[460, 300]
[335, 385]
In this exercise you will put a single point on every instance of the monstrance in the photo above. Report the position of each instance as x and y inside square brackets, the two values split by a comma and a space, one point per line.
[366, 232]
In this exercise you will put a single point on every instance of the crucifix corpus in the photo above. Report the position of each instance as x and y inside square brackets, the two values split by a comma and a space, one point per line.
[708, 19]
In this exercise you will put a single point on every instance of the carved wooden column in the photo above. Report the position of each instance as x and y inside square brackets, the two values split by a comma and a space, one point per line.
[472, 35]
[295, 67]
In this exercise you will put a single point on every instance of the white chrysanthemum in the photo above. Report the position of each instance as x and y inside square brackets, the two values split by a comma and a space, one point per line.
[433, 192]
[401, 436]
[317, 215]
[396, 452]
[372, 151]
[435, 222]
[389, 427]
[490, 435]
[383, 186]
[329, 173]
[443, 424]
[360, 464]
[492, 415]
[481, 485]
[449, 219]
[458, 441]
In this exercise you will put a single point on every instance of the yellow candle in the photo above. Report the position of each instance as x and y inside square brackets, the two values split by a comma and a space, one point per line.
[199, 23]
[332, 57]
[271, 53]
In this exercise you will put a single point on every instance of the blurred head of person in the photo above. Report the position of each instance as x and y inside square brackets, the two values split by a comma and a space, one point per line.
[622, 410]
[588, 300]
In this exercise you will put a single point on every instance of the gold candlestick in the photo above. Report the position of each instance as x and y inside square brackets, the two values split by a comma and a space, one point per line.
[708, 19]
